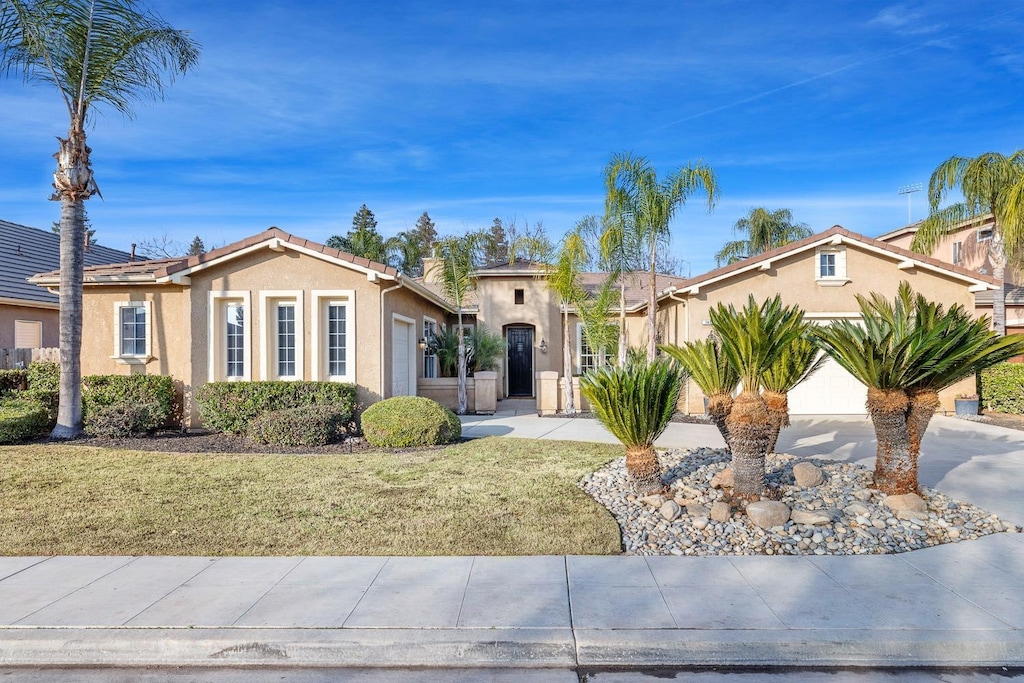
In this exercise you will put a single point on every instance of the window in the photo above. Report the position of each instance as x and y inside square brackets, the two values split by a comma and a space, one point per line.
[589, 358]
[28, 334]
[520, 297]
[132, 331]
[827, 265]
[429, 355]
[334, 335]
[286, 340]
[230, 336]
[958, 253]
[830, 266]
[282, 337]
[984, 233]
[234, 318]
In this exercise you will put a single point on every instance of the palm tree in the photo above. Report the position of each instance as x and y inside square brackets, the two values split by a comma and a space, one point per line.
[635, 404]
[753, 340]
[594, 312]
[712, 372]
[634, 191]
[990, 183]
[621, 252]
[797, 362]
[906, 351]
[765, 231]
[458, 258]
[563, 277]
[109, 52]
[405, 251]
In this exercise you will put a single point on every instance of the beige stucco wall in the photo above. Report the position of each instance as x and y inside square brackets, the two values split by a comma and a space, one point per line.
[180, 327]
[47, 316]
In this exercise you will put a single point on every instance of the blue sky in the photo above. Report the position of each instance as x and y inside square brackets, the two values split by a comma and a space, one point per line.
[300, 112]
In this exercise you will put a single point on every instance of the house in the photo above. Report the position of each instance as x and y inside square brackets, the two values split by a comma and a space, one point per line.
[29, 314]
[276, 306]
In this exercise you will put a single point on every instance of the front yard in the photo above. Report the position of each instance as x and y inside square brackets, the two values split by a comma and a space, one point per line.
[494, 496]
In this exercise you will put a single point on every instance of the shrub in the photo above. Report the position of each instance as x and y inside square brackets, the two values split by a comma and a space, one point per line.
[1002, 388]
[13, 380]
[404, 421]
[126, 405]
[44, 385]
[305, 426]
[232, 406]
[22, 419]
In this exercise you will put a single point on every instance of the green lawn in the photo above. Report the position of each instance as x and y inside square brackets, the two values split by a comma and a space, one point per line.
[494, 496]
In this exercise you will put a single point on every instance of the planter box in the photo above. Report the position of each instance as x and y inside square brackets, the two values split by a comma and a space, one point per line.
[966, 407]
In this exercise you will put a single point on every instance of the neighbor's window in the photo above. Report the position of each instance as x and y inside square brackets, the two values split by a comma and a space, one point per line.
[984, 233]
[286, 340]
[28, 334]
[520, 296]
[234, 315]
[958, 253]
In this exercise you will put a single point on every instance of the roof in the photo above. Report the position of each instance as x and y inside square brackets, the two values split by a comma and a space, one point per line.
[912, 228]
[25, 251]
[178, 270]
[835, 235]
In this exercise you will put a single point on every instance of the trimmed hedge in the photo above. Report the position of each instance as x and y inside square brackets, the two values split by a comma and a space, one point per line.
[232, 406]
[406, 421]
[305, 426]
[126, 405]
[44, 385]
[1002, 388]
[13, 380]
[22, 419]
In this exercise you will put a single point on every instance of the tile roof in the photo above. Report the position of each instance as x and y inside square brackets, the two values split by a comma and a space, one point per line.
[25, 251]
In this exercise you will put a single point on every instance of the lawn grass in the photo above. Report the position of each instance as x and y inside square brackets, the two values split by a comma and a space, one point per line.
[493, 496]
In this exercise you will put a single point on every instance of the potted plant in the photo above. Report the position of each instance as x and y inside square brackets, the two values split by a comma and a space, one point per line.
[966, 405]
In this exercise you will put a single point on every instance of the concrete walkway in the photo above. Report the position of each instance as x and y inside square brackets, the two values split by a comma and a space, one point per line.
[954, 605]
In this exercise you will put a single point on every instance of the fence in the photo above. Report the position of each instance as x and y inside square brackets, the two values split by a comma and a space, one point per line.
[20, 358]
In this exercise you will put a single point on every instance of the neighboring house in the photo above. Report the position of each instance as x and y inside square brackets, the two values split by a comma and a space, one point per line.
[275, 306]
[270, 307]
[29, 314]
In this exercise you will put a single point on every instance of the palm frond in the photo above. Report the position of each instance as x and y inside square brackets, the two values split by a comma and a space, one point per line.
[635, 404]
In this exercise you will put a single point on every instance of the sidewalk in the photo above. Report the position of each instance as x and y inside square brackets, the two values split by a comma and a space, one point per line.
[954, 605]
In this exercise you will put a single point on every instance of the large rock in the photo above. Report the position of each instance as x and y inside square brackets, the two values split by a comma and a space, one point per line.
[810, 517]
[807, 475]
[720, 511]
[654, 501]
[723, 479]
[768, 513]
[697, 511]
[857, 510]
[910, 502]
[670, 510]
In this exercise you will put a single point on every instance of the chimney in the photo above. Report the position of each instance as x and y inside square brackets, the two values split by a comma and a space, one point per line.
[132, 257]
[432, 273]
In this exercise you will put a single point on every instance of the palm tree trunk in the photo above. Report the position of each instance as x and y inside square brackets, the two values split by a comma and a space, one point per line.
[644, 469]
[73, 183]
[749, 432]
[462, 402]
[998, 254]
[895, 463]
[719, 406]
[623, 339]
[652, 304]
[777, 403]
[923, 405]
[570, 402]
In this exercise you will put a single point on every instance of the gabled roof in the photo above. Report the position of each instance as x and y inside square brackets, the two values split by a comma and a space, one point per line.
[178, 270]
[912, 228]
[25, 251]
[835, 235]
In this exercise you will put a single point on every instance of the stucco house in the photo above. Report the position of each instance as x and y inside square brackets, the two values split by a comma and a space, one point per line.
[276, 306]
[29, 314]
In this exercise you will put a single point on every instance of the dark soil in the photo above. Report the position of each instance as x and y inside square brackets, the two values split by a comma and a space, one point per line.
[1003, 420]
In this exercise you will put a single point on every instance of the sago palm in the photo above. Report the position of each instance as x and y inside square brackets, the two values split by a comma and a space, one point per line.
[797, 362]
[753, 339]
[635, 404]
[906, 351]
[705, 363]
[93, 52]
[765, 231]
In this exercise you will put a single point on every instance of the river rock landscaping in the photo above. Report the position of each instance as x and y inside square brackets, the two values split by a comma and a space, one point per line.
[813, 507]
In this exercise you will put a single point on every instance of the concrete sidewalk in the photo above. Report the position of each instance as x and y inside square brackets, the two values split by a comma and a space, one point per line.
[954, 605]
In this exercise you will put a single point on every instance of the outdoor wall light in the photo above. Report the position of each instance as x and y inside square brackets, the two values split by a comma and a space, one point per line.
[422, 343]
[543, 346]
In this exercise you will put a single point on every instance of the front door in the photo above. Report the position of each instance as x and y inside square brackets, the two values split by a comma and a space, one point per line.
[520, 361]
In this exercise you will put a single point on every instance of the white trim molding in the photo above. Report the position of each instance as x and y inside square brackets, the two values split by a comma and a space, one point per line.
[216, 340]
[269, 301]
[321, 299]
[133, 358]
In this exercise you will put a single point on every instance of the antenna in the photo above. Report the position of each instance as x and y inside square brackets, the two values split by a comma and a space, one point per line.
[909, 190]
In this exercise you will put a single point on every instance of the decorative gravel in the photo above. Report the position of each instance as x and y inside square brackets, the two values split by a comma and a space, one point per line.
[852, 517]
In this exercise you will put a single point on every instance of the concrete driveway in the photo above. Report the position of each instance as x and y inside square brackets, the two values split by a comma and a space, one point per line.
[971, 461]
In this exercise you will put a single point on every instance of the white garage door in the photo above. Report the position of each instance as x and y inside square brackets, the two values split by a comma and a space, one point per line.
[401, 358]
[829, 391]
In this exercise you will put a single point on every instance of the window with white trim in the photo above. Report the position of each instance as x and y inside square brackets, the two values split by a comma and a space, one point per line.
[230, 336]
[28, 334]
[282, 335]
[286, 339]
[830, 265]
[429, 355]
[337, 340]
[234, 336]
[588, 358]
[132, 330]
[958, 253]
[334, 335]
[984, 233]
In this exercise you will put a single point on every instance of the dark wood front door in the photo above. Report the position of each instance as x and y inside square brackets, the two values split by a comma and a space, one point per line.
[520, 361]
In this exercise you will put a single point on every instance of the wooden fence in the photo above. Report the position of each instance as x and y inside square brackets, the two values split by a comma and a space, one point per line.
[20, 358]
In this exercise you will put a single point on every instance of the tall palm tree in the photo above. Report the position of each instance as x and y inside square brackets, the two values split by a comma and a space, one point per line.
[635, 404]
[563, 277]
[797, 362]
[458, 259]
[753, 340]
[990, 183]
[704, 361]
[765, 231]
[906, 351]
[633, 190]
[93, 52]
[621, 255]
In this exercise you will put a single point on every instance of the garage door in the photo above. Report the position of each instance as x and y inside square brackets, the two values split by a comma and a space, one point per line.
[829, 391]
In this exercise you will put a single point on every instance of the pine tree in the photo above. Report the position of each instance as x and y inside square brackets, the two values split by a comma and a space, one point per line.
[426, 231]
[363, 239]
[197, 247]
[497, 247]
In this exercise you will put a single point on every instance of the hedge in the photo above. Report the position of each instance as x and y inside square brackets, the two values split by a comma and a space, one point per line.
[232, 406]
[44, 385]
[22, 419]
[125, 405]
[1002, 388]
[13, 380]
[305, 426]
[409, 421]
